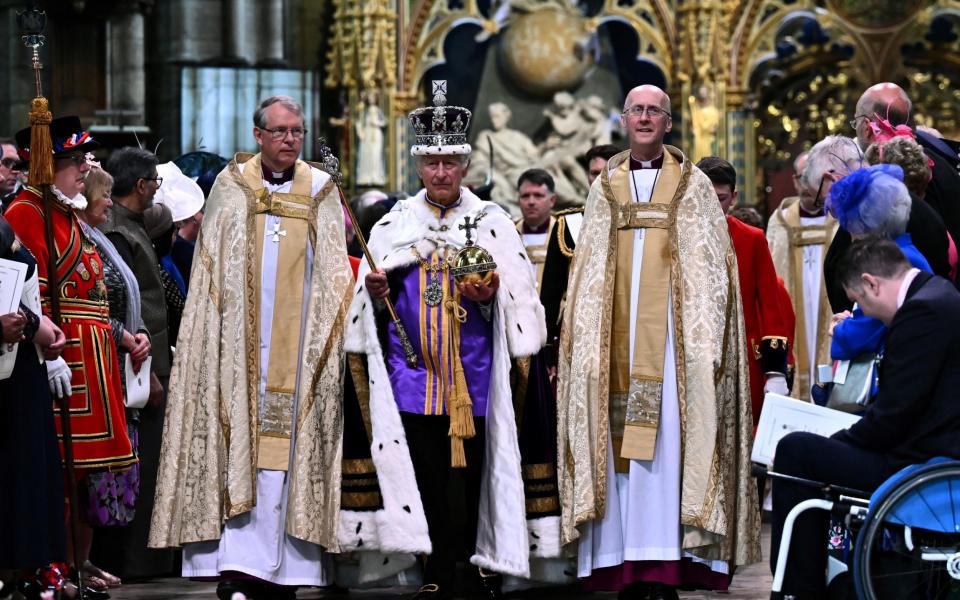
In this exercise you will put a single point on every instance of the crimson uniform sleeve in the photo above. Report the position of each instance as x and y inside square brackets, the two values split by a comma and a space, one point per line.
[27, 222]
[775, 327]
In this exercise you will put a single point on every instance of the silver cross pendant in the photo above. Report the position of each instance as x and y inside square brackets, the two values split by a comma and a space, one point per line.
[276, 232]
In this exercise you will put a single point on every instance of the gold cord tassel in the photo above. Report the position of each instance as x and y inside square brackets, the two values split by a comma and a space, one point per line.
[459, 405]
[41, 148]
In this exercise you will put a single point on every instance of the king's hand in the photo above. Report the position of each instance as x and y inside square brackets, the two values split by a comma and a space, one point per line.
[376, 284]
[481, 292]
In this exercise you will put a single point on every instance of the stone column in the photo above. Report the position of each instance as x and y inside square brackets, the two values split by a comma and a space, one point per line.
[188, 36]
[270, 32]
[740, 147]
[240, 42]
[127, 75]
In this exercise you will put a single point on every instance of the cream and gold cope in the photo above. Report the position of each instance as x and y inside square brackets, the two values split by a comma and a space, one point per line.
[787, 237]
[213, 439]
[718, 506]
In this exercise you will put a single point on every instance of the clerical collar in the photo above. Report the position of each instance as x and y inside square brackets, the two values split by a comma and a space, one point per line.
[656, 163]
[442, 206]
[541, 229]
[809, 215]
[274, 178]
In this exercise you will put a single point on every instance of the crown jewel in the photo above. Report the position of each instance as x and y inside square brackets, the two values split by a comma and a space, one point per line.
[440, 129]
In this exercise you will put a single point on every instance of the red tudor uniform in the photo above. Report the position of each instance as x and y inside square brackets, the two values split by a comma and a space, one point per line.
[786, 307]
[96, 405]
[767, 326]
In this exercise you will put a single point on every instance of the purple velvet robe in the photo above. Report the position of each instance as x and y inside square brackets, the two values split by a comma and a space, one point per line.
[424, 389]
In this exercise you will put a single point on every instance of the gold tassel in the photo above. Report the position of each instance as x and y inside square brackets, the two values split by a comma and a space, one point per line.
[41, 147]
[459, 405]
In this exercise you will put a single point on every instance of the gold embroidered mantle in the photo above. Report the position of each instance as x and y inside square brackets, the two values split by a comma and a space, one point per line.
[787, 237]
[718, 506]
[209, 454]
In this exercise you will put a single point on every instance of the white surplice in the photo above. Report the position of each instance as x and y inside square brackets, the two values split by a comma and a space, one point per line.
[642, 515]
[255, 543]
[812, 274]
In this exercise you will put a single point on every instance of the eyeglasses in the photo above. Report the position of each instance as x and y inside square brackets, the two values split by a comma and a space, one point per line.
[280, 133]
[158, 180]
[816, 199]
[77, 158]
[9, 163]
[653, 112]
[853, 121]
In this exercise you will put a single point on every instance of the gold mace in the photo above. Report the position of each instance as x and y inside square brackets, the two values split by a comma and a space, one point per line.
[32, 22]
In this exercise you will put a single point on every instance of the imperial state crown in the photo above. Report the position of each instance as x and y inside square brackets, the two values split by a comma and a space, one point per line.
[440, 129]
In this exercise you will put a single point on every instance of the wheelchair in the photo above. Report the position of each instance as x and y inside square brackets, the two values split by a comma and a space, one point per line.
[906, 534]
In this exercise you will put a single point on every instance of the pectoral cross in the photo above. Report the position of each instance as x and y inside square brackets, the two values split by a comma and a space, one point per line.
[276, 232]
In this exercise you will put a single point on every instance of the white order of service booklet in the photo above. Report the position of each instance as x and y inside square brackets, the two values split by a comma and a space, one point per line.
[782, 415]
[12, 276]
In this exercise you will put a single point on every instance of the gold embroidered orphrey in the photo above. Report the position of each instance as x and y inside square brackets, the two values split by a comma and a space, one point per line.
[212, 432]
[636, 387]
[787, 238]
[718, 504]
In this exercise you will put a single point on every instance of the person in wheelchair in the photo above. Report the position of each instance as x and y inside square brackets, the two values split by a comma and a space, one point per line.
[915, 416]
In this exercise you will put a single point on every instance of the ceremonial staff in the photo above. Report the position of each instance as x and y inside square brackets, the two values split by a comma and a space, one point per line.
[32, 22]
[332, 166]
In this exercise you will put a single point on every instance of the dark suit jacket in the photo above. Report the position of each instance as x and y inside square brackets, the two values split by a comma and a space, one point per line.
[916, 414]
[929, 236]
[943, 191]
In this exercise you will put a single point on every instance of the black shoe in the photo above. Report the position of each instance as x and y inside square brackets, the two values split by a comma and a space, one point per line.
[634, 591]
[663, 592]
[490, 585]
[255, 590]
[430, 591]
[91, 594]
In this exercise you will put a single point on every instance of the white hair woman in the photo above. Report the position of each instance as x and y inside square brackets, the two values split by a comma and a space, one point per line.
[872, 201]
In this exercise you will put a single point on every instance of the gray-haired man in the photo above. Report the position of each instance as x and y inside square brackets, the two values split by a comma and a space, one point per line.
[251, 448]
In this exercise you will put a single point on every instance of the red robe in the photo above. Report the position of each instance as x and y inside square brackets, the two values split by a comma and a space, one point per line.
[764, 319]
[97, 419]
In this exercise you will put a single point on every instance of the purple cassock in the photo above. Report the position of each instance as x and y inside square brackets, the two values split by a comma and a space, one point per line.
[424, 389]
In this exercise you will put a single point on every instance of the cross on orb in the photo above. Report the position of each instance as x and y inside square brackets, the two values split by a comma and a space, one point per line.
[467, 226]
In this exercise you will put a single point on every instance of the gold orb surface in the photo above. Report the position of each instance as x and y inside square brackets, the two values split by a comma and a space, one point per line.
[542, 51]
[473, 264]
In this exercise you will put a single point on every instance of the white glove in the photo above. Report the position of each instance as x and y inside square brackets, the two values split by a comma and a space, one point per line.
[58, 375]
[776, 384]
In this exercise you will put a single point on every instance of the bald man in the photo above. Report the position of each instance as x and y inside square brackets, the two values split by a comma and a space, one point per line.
[931, 218]
[654, 401]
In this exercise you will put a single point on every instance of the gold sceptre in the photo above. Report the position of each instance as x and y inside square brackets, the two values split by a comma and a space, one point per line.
[332, 166]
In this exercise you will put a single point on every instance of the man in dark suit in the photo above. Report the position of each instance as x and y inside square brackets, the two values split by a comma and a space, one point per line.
[915, 415]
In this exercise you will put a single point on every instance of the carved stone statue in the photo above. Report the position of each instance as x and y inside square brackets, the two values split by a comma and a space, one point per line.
[704, 120]
[574, 127]
[371, 170]
[513, 153]
[570, 137]
[595, 112]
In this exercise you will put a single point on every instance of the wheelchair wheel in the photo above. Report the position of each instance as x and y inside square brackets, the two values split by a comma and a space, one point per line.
[909, 544]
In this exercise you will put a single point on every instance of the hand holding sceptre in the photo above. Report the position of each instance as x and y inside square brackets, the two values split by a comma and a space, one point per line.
[332, 166]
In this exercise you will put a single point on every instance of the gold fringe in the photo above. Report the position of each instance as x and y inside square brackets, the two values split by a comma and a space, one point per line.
[459, 405]
[41, 147]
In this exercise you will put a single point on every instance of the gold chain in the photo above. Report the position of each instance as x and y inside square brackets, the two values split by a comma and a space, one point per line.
[438, 267]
